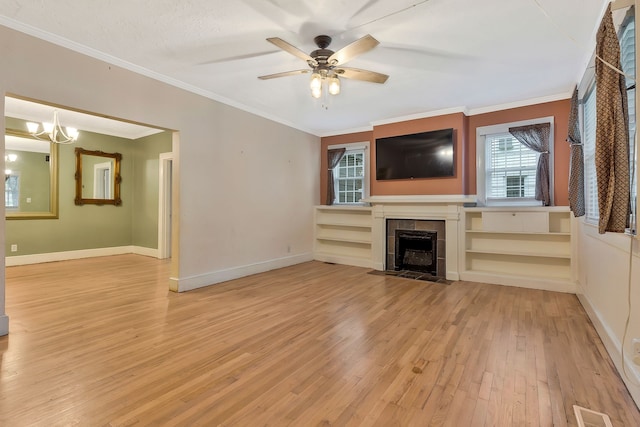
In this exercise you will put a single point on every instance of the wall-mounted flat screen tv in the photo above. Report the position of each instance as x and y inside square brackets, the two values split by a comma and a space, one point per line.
[419, 155]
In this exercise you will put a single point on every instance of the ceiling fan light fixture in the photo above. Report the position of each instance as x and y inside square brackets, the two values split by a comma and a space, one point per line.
[334, 85]
[323, 62]
[316, 81]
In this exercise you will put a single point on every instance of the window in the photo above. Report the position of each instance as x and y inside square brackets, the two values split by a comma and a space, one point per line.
[506, 169]
[11, 190]
[627, 38]
[515, 186]
[351, 176]
[511, 169]
[589, 145]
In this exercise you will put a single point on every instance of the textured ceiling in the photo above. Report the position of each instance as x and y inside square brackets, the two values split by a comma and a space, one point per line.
[440, 54]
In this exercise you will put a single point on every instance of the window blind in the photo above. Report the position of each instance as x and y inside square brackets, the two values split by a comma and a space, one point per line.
[511, 168]
[589, 141]
[628, 61]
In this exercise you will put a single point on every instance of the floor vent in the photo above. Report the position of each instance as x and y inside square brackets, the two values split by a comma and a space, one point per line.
[588, 418]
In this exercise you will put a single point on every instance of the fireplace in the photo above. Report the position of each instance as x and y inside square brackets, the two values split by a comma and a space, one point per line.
[416, 250]
[415, 245]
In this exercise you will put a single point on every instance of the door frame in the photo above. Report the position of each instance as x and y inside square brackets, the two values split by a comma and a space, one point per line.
[165, 177]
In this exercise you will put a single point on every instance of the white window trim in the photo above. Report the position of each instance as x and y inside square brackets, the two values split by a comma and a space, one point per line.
[587, 155]
[586, 84]
[366, 146]
[481, 155]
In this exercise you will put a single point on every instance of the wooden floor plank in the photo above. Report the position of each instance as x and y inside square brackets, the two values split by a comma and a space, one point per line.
[102, 341]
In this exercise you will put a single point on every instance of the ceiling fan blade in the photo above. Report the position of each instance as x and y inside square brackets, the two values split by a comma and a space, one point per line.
[352, 50]
[284, 74]
[238, 57]
[291, 49]
[364, 75]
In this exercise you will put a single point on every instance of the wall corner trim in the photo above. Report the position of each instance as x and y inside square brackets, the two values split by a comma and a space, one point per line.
[4, 325]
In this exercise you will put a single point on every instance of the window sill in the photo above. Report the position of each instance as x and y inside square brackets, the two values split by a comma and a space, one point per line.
[512, 204]
[350, 204]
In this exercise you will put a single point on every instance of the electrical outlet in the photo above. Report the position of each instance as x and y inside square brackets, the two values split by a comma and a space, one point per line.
[636, 351]
[14, 248]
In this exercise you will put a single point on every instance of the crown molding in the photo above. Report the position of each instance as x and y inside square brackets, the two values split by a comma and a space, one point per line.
[347, 131]
[101, 56]
[424, 115]
[523, 103]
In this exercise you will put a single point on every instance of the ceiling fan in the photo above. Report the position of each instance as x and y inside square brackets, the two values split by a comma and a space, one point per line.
[325, 65]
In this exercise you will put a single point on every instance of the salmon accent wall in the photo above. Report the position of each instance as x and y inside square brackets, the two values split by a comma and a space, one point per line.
[464, 127]
[560, 111]
[453, 185]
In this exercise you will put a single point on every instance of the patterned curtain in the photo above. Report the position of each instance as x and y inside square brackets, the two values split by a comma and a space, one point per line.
[612, 132]
[576, 162]
[536, 138]
[333, 159]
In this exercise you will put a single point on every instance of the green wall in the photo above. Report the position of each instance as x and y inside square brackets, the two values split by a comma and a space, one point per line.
[93, 226]
[145, 181]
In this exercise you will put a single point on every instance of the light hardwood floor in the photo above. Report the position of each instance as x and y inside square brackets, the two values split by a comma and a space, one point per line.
[103, 342]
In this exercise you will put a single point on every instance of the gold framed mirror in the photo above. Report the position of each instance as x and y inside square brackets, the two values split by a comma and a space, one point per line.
[31, 177]
[97, 178]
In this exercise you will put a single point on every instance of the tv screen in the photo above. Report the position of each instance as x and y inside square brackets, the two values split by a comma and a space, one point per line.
[419, 155]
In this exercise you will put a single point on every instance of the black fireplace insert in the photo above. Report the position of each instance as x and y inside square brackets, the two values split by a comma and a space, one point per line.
[416, 250]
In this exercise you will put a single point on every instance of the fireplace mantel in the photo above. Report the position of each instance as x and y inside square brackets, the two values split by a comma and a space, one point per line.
[455, 199]
[418, 207]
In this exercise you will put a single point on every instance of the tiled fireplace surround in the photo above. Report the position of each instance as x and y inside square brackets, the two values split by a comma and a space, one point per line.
[420, 208]
[393, 225]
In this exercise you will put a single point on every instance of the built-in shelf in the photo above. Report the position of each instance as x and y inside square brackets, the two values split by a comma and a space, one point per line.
[518, 232]
[525, 245]
[527, 254]
[343, 235]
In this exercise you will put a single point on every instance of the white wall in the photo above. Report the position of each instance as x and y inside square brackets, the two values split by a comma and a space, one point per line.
[603, 289]
[245, 186]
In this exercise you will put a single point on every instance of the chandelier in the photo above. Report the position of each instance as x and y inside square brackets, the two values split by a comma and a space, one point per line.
[53, 132]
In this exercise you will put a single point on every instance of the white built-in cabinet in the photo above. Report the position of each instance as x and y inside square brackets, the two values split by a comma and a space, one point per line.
[528, 247]
[343, 235]
[521, 246]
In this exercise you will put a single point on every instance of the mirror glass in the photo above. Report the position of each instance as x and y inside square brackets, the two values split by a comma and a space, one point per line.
[97, 177]
[31, 177]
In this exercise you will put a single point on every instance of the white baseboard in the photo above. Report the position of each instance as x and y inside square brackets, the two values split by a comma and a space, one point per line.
[200, 281]
[452, 275]
[612, 345]
[11, 261]
[4, 325]
[343, 260]
[556, 285]
[150, 252]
